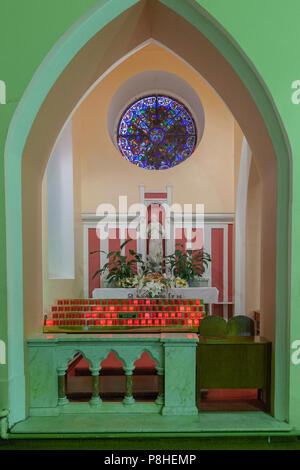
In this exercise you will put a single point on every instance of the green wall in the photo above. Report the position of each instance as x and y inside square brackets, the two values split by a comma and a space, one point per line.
[28, 31]
[266, 30]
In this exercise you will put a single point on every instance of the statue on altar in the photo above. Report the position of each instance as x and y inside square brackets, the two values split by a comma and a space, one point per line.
[156, 235]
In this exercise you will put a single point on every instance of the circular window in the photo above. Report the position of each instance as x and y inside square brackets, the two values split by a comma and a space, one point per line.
[156, 133]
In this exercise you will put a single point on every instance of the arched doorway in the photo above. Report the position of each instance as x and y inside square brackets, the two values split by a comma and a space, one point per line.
[92, 46]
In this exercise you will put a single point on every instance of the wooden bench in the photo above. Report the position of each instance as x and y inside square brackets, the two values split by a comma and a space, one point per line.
[225, 361]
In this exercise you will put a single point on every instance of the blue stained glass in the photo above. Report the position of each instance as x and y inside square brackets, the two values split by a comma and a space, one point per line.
[156, 133]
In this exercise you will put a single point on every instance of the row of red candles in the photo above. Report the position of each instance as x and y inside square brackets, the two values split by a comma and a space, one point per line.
[126, 322]
[129, 302]
[129, 308]
[115, 315]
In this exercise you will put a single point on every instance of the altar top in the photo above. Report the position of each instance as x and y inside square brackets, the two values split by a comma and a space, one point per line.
[112, 337]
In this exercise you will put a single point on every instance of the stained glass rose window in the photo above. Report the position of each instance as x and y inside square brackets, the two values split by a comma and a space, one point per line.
[156, 133]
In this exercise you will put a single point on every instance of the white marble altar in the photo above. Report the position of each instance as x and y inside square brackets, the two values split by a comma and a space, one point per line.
[209, 295]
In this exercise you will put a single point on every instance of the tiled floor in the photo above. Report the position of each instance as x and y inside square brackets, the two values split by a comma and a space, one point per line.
[231, 400]
[205, 422]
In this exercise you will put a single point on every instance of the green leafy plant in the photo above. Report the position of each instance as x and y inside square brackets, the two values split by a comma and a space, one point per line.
[187, 264]
[152, 266]
[118, 266]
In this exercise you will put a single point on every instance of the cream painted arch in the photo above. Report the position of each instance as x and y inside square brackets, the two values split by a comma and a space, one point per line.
[240, 229]
[123, 59]
[242, 188]
[185, 97]
[48, 82]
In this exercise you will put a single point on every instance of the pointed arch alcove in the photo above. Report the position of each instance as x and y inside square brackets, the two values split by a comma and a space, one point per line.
[94, 45]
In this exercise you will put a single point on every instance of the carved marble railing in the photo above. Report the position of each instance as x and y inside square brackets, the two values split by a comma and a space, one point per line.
[174, 354]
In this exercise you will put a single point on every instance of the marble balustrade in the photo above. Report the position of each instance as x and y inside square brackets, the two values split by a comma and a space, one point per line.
[174, 354]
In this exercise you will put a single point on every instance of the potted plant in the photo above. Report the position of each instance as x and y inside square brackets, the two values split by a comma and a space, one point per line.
[188, 264]
[152, 266]
[120, 270]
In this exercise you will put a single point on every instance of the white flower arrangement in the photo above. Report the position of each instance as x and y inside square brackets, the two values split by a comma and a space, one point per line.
[178, 282]
[154, 288]
[155, 284]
